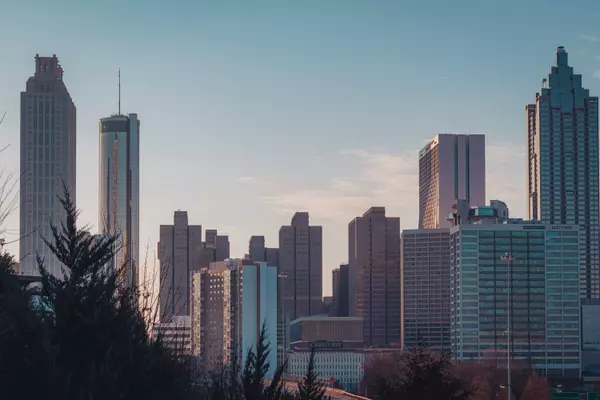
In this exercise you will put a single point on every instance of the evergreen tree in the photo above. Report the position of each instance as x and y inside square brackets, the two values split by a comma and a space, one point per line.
[255, 370]
[311, 388]
[97, 336]
[25, 367]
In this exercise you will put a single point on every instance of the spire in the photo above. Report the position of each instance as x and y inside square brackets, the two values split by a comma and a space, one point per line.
[119, 110]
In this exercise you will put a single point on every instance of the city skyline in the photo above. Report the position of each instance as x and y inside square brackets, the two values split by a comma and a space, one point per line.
[268, 198]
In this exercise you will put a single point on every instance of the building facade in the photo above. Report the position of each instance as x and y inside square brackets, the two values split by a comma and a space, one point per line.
[340, 290]
[374, 276]
[426, 288]
[301, 260]
[338, 343]
[562, 167]
[451, 167]
[259, 307]
[119, 191]
[346, 367]
[257, 251]
[48, 158]
[179, 253]
[215, 309]
[543, 294]
[176, 335]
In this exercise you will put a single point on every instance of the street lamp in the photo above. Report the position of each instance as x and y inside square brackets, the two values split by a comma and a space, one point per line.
[508, 258]
[281, 276]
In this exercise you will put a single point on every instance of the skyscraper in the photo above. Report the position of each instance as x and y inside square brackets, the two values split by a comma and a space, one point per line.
[301, 259]
[48, 155]
[451, 167]
[374, 275]
[426, 288]
[258, 252]
[179, 253]
[259, 306]
[216, 313]
[562, 179]
[340, 290]
[119, 190]
[540, 280]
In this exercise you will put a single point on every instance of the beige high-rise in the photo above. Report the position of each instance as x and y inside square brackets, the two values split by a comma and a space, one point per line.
[179, 253]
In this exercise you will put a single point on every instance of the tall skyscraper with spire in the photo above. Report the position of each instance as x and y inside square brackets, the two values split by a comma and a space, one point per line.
[562, 162]
[119, 189]
[48, 158]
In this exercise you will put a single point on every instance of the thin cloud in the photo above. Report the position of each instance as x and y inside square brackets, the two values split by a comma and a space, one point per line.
[247, 179]
[392, 180]
[596, 74]
[589, 38]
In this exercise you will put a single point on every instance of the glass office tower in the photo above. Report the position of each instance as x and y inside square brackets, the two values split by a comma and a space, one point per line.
[562, 179]
[544, 287]
[119, 190]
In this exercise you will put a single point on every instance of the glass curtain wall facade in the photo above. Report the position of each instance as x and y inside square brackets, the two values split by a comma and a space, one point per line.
[119, 190]
[562, 179]
[545, 307]
[259, 306]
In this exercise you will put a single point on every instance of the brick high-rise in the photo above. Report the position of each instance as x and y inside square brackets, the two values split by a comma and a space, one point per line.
[301, 259]
[374, 276]
[179, 253]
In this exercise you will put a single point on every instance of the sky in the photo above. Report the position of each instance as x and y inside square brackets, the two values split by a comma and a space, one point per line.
[253, 110]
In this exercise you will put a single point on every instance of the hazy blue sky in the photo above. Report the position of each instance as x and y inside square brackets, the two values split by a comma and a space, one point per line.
[251, 110]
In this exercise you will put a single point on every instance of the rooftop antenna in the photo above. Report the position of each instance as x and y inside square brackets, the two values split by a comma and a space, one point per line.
[119, 91]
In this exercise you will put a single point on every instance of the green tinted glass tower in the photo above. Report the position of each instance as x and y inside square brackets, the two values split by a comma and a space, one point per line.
[562, 179]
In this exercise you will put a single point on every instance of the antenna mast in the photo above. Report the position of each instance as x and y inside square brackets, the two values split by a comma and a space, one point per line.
[119, 112]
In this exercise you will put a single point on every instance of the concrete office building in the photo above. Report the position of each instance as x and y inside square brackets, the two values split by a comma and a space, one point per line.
[306, 330]
[451, 167]
[374, 276]
[259, 306]
[301, 259]
[119, 191]
[215, 309]
[338, 342]
[562, 167]
[341, 291]
[214, 248]
[179, 253]
[48, 158]
[426, 288]
[345, 366]
[544, 294]
[258, 252]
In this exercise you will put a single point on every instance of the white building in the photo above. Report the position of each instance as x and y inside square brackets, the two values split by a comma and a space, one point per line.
[345, 367]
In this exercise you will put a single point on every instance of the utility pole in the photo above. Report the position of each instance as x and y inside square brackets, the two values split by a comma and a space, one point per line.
[509, 258]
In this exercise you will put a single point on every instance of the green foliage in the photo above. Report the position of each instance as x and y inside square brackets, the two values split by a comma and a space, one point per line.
[23, 344]
[255, 370]
[422, 376]
[311, 388]
[92, 343]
